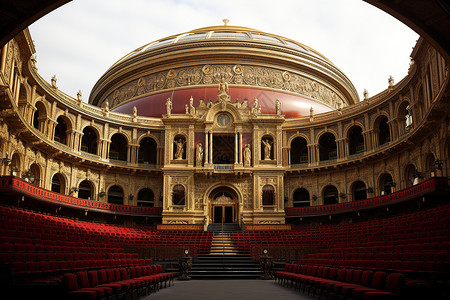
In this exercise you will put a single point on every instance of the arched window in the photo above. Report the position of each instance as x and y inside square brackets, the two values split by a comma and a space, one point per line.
[61, 131]
[384, 133]
[430, 165]
[179, 147]
[355, 140]
[39, 116]
[58, 183]
[147, 151]
[85, 190]
[115, 195]
[327, 147]
[89, 140]
[36, 171]
[15, 165]
[386, 184]
[268, 195]
[118, 149]
[36, 119]
[359, 191]
[267, 148]
[404, 115]
[301, 198]
[330, 195]
[178, 195]
[146, 198]
[299, 151]
[411, 176]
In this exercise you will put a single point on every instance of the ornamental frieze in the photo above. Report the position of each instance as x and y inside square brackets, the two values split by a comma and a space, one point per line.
[254, 76]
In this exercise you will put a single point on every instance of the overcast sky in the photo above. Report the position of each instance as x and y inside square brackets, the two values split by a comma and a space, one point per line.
[79, 41]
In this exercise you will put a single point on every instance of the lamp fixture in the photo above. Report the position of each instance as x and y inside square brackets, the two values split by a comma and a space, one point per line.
[438, 163]
[6, 161]
[28, 176]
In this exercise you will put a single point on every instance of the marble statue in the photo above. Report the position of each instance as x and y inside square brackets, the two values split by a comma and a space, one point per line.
[168, 106]
[199, 155]
[267, 148]
[180, 148]
[247, 155]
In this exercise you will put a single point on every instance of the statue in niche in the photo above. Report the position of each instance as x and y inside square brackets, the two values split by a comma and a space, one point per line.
[247, 155]
[278, 106]
[180, 148]
[267, 147]
[168, 106]
[199, 155]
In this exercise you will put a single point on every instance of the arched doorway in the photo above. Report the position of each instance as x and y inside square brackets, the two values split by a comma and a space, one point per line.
[223, 205]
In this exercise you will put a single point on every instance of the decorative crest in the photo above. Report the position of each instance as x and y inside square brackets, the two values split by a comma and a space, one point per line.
[225, 22]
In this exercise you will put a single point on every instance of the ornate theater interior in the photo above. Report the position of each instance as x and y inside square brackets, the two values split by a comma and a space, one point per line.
[226, 152]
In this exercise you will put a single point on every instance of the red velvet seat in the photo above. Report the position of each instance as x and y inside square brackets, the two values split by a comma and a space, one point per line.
[70, 283]
[377, 284]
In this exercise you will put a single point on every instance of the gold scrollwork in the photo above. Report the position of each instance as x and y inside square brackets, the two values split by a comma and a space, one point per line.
[286, 76]
[237, 69]
[171, 74]
[207, 69]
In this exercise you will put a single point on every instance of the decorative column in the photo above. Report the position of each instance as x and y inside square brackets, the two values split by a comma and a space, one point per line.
[210, 148]
[236, 147]
[206, 148]
[240, 148]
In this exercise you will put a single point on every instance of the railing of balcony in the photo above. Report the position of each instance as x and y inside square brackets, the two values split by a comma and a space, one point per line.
[10, 183]
[430, 185]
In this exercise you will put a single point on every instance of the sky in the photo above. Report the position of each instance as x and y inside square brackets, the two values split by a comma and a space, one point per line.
[80, 40]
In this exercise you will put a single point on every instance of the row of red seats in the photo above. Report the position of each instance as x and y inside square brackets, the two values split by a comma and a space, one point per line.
[433, 220]
[413, 268]
[386, 255]
[7, 257]
[116, 282]
[51, 271]
[115, 236]
[330, 282]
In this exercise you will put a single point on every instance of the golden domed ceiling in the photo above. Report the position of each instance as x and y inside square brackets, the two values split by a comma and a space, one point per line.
[255, 64]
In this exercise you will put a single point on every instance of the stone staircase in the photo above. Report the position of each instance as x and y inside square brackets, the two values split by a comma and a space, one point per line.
[224, 261]
[217, 267]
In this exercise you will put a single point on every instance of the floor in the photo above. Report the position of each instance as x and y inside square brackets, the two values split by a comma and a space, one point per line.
[227, 290]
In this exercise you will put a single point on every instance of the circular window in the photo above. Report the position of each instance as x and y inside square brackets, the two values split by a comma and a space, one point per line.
[223, 120]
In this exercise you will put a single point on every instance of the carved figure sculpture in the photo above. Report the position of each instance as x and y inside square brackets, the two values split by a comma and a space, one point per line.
[168, 106]
[199, 155]
[191, 106]
[134, 112]
[267, 148]
[278, 106]
[54, 79]
[79, 96]
[180, 148]
[247, 155]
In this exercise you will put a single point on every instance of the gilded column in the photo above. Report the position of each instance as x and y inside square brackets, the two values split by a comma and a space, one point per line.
[210, 148]
[236, 147]
[206, 148]
[240, 148]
